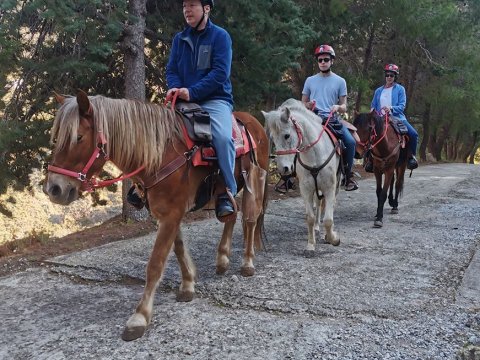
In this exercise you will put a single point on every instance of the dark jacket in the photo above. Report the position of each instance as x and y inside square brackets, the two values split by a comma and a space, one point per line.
[201, 61]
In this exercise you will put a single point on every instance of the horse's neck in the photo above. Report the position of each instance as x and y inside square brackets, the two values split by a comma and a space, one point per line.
[322, 147]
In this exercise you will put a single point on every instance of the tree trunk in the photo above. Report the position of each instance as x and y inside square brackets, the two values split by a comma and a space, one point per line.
[426, 132]
[134, 62]
[366, 64]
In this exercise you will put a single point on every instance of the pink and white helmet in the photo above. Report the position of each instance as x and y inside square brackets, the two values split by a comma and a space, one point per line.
[392, 68]
[324, 49]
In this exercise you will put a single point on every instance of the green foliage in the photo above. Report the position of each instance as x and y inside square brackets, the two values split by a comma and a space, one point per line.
[64, 45]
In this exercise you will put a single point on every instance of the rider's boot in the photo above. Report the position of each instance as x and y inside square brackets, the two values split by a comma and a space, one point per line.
[368, 164]
[134, 198]
[350, 184]
[224, 205]
[412, 163]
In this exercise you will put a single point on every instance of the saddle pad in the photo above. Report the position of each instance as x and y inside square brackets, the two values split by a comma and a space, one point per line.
[207, 154]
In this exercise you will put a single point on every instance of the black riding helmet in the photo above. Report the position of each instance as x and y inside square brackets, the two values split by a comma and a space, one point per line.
[208, 2]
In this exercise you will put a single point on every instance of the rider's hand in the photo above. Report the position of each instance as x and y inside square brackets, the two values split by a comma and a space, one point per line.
[184, 94]
[335, 108]
[387, 109]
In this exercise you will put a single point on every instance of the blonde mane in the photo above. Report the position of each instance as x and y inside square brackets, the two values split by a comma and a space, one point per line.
[137, 133]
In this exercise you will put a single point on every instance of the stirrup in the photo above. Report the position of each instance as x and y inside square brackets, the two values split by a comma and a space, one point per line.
[285, 183]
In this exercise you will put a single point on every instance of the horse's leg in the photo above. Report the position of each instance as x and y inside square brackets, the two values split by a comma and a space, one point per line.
[391, 196]
[248, 269]
[382, 195]
[319, 212]
[187, 267]
[224, 248]
[331, 236]
[400, 170]
[138, 322]
[308, 197]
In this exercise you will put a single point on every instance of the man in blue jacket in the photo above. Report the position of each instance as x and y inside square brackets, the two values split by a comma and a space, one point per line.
[199, 71]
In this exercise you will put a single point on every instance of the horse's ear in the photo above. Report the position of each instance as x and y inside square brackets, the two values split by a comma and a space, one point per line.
[83, 103]
[355, 113]
[372, 110]
[285, 115]
[60, 98]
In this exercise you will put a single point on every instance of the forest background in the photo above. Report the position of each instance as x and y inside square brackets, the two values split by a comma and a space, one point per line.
[65, 45]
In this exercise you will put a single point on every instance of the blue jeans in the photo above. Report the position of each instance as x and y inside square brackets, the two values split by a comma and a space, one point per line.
[221, 119]
[413, 137]
[349, 142]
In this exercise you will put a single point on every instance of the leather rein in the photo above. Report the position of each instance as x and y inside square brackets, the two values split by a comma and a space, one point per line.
[314, 171]
[373, 141]
[89, 184]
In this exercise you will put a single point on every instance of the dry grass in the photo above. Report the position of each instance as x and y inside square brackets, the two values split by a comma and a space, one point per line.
[36, 219]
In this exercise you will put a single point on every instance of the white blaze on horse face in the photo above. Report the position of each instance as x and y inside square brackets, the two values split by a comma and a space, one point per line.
[284, 137]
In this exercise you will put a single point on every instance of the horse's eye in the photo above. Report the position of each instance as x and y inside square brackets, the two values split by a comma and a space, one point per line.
[287, 136]
[79, 137]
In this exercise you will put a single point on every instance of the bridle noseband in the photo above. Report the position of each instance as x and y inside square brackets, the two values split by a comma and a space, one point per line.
[90, 184]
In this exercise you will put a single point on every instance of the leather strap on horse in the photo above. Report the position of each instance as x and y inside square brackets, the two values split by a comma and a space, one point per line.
[170, 168]
[315, 170]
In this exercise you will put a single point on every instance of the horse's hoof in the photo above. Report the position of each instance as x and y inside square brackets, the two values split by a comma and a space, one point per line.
[185, 296]
[377, 224]
[247, 271]
[334, 242]
[133, 333]
[394, 211]
[221, 269]
[309, 254]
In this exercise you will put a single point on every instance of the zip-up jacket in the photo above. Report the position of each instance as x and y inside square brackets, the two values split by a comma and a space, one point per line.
[201, 62]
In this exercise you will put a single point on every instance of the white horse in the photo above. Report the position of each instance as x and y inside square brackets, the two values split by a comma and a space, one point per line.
[303, 147]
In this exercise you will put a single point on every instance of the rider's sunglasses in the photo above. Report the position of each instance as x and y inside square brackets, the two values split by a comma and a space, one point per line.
[389, 75]
[325, 60]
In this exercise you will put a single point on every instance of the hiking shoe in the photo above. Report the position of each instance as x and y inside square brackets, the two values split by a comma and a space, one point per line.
[224, 205]
[412, 163]
[368, 166]
[351, 184]
[134, 199]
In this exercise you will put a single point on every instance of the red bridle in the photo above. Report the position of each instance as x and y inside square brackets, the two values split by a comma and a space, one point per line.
[298, 130]
[90, 184]
[373, 135]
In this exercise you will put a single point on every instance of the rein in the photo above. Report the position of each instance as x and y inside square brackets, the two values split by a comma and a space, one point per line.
[298, 130]
[314, 171]
[373, 136]
[90, 184]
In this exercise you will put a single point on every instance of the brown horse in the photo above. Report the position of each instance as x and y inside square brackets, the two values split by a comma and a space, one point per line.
[387, 149]
[148, 142]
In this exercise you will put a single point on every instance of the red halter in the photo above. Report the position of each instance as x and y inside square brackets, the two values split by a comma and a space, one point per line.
[91, 184]
[298, 130]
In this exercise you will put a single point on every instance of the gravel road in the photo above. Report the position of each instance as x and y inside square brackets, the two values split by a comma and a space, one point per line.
[410, 290]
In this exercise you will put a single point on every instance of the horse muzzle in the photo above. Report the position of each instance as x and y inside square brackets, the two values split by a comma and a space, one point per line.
[61, 189]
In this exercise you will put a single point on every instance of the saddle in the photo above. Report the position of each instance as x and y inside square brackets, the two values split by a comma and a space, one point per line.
[197, 132]
[399, 126]
[334, 130]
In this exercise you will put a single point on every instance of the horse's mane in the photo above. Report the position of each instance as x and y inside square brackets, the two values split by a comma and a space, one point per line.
[362, 120]
[137, 133]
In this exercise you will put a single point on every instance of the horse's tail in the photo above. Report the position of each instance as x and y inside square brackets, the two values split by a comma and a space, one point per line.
[400, 171]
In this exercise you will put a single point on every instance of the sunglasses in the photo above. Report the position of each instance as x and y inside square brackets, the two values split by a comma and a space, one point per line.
[390, 75]
[325, 60]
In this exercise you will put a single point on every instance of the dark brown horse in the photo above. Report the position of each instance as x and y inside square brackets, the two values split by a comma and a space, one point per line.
[148, 142]
[387, 148]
